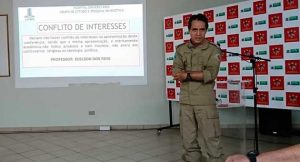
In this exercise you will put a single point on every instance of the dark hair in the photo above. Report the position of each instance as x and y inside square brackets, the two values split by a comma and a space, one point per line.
[199, 17]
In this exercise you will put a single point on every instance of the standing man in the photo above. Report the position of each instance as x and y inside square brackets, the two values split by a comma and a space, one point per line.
[196, 66]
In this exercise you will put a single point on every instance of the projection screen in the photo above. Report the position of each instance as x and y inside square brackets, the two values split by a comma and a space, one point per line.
[60, 43]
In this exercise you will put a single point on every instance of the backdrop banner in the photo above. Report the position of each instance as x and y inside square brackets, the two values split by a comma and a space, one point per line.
[267, 29]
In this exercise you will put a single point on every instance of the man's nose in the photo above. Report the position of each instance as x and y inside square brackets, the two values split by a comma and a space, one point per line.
[198, 32]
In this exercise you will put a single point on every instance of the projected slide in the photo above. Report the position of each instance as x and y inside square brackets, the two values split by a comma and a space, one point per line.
[78, 41]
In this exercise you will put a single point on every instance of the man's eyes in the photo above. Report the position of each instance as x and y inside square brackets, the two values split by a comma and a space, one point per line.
[197, 29]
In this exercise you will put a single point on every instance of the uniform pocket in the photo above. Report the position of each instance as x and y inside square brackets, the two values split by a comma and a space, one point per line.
[208, 121]
[197, 63]
[213, 123]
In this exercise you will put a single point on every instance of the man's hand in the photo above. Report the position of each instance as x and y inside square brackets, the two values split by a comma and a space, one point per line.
[180, 76]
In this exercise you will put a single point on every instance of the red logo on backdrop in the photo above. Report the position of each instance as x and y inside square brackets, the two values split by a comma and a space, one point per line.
[178, 33]
[169, 70]
[246, 24]
[263, 98]
[234, 96]
[261, 68]
[223, 56]
[290, 4]
[209, 15]
[291, 34]
[292, 66]
[171, 93]
[275, 20]
[276, 51]
[260, 37]
[211, 39]
[233, 40]
[247, 82]
[234, 68]
[169, 23]
[293, 99]
[247, 51]
[259, 7]
[220, 28]
[222, 85]
[186, 19]
[232, 12]
[277, 82]
[169, 47]
[178, 83]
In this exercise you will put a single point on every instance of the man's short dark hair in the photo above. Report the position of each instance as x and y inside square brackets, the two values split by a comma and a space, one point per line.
[199, 17]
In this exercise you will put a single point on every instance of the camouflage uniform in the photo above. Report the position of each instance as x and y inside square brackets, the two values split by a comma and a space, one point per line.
[199, 118]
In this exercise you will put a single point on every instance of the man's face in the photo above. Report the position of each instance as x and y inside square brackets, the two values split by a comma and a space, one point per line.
[197, 32]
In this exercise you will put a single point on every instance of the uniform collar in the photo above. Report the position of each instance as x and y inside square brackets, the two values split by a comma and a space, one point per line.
[203, 46]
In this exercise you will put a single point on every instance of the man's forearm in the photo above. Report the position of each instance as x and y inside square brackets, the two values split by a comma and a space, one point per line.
[290, 154]
[196, 75]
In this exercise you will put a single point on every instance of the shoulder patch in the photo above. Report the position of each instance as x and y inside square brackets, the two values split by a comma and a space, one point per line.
[219, 57]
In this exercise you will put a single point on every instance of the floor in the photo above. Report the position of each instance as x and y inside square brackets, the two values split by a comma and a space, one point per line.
[115, 146]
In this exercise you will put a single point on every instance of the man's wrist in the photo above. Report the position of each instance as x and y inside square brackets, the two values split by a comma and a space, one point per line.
[188, 77]
[252, 156]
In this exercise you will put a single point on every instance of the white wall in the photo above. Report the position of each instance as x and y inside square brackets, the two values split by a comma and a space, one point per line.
[113, 104]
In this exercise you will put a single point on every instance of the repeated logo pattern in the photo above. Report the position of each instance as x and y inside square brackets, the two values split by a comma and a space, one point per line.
[266, 29]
